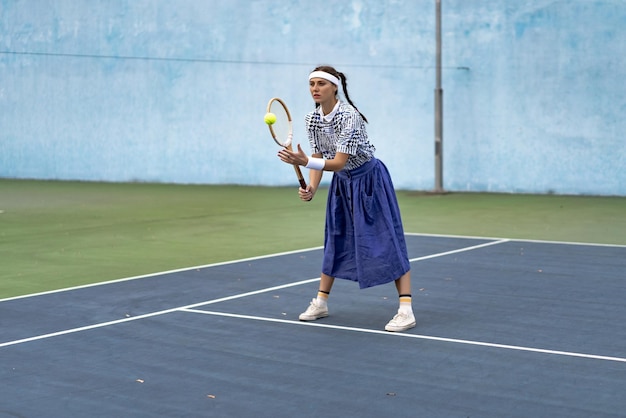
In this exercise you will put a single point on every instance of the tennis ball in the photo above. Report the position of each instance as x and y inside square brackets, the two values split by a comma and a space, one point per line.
[270, 118]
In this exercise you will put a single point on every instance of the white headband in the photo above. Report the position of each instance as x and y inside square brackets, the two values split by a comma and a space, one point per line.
[325, 76]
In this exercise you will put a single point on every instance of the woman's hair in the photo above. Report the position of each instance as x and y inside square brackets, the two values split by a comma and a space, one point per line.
[341, 76]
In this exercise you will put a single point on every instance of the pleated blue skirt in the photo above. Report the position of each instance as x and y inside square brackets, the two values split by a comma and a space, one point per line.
[364, 238]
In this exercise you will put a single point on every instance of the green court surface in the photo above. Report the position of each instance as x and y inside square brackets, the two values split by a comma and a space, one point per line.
[60, 234]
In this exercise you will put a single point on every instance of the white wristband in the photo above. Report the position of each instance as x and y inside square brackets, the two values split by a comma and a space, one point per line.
[316, 163]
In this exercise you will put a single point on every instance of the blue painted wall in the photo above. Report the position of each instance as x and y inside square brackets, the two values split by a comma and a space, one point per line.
[175, 91]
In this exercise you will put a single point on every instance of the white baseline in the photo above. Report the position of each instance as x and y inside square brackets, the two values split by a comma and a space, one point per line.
[191, 309]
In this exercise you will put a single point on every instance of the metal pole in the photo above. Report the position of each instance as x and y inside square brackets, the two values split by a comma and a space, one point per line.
[438, 108]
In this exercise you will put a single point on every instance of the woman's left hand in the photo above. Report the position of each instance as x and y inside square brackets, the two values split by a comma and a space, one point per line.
[306, 194]
[293, 157]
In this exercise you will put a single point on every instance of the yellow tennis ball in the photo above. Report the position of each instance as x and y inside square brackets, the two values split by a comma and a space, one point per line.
[270, 118]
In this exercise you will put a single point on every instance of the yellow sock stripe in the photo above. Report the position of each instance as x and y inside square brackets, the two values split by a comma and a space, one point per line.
[322, 295]
[405, 299]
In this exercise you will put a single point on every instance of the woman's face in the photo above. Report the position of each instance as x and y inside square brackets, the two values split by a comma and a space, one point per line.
[322, 90]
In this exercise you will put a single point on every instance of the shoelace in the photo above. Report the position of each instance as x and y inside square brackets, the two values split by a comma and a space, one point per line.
[313, 306]
[399, 316]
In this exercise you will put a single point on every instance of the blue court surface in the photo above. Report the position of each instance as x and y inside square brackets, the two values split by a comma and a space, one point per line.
[505, 328]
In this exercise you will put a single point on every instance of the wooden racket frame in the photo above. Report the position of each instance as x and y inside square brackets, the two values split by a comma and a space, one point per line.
[288, 146]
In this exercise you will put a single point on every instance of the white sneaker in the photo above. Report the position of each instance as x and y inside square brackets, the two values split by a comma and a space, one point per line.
[314, 311]
[401, 322]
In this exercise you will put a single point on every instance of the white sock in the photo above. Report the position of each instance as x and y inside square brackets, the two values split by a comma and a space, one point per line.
[322, 299]
[405, 304]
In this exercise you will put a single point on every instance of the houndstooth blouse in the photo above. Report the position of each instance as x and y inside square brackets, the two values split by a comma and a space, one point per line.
[344, 133]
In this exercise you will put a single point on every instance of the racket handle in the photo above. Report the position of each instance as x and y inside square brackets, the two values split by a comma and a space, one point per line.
[300, 177]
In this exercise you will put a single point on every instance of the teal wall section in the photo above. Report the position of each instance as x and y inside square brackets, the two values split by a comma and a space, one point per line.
[175, 91]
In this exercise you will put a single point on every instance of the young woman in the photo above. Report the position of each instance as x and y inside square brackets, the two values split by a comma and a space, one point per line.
[364, 237]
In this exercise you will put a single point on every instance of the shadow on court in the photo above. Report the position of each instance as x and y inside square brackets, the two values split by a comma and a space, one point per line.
[505, 328]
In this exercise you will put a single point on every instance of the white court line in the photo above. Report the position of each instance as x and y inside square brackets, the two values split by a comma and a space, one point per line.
[418, 336]
[160, 273]
[223, 263]
[190, 309]
[535, 241]
[152, 314]
[461, 250]
[195, 305]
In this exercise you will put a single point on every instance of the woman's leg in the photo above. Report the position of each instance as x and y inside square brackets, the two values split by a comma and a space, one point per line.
[403, 284]
[326, 283]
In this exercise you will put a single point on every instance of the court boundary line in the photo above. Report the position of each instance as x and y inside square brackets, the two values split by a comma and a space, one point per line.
[260, 257]
[191, 309]
[536, 241]
[407, 335]
[159, 273]
[213, 301]
[153, 314]
[460, 250]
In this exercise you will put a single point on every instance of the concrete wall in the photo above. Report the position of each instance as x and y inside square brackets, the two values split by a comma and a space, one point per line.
[175, 91]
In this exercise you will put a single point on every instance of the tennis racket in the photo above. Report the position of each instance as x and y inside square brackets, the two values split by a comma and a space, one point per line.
[282, 130]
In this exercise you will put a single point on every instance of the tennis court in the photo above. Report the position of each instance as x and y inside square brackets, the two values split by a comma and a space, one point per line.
[505, 328]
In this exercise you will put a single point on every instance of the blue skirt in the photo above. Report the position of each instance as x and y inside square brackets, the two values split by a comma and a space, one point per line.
[364, 237]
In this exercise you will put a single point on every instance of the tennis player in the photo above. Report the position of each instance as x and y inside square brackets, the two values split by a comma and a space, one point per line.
[364, 238]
